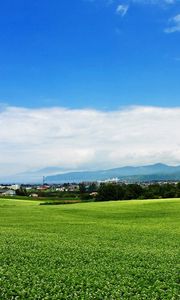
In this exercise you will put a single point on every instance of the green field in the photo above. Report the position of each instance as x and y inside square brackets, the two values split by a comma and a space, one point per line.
[110, 250]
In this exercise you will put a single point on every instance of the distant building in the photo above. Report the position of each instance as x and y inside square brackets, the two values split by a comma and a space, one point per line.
[7, 193]
[14, 187]
[73, 188]
[61, 189]
[28, 188]
[43, 187]
[94, 194]
[34, 195]
[110, 180]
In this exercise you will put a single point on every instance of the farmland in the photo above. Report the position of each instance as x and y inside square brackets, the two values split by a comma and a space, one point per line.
[110, 250]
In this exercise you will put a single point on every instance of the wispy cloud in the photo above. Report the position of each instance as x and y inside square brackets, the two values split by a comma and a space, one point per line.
[170, 1]
[144, 2]
[87, 139]
[122, 9]
[154, 2]
[174, 25]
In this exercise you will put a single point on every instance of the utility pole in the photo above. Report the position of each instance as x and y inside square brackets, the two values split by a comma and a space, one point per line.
[44, 180]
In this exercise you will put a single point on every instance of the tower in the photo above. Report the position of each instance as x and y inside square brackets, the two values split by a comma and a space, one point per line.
[44, 180]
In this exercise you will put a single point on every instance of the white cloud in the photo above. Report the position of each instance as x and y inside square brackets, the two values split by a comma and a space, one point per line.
[35, 138]
[122, 9]
[174, 25]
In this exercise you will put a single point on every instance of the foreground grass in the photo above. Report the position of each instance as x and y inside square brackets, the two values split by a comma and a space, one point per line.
[114, 250]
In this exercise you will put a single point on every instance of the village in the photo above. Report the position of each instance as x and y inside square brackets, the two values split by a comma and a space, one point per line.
[70, 190]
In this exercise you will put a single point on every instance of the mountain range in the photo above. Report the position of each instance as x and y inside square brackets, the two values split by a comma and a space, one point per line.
[130, 174]
[142, 173]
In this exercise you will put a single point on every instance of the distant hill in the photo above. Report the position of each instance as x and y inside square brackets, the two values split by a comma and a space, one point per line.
[143, 173]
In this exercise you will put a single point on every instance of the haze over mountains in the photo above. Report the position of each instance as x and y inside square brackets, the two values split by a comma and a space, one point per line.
[35, 176]
[150, 172]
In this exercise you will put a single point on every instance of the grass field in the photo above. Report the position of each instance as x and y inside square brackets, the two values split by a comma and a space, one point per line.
[111, 250]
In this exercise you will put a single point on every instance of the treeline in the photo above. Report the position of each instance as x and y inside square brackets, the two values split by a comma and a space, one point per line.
[47, 194]
[108, 192]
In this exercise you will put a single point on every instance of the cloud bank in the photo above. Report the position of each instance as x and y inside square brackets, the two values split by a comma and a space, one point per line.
[86, 138]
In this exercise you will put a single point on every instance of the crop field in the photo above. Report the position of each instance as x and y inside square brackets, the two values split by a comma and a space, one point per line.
[104, 251]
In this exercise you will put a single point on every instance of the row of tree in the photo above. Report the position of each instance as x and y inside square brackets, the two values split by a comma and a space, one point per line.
[108, 192]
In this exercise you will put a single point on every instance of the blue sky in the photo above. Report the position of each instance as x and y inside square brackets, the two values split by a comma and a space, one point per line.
[88, 84]
[97, 54]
